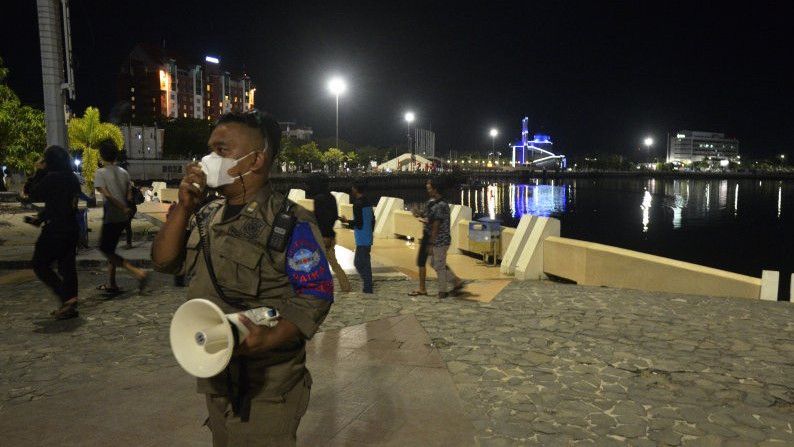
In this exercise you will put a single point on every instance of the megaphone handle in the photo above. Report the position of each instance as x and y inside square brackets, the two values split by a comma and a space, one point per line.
[242, 331]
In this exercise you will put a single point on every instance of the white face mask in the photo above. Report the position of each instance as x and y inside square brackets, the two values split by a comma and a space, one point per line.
[217, 169]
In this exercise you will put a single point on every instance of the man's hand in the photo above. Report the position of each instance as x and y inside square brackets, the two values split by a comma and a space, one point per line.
[192, 186]
[262, 338]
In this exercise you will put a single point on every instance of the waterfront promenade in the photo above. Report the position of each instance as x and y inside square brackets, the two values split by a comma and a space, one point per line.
[541, 364]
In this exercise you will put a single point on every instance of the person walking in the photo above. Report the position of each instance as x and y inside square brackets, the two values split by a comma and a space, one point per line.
[363, 225]
[58, 187]
[440, 240]
[424, 247]
[113, 183]
[241, 252]
[327, 213]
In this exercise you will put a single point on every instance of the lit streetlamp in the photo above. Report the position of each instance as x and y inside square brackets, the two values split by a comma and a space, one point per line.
[337, 86]
[410, 117]
[493, 133]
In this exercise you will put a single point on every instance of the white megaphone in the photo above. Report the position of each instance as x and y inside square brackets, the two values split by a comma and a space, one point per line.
[202, 336]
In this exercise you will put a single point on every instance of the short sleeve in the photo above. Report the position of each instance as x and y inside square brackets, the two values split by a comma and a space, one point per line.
[99, 179]
[310, 276]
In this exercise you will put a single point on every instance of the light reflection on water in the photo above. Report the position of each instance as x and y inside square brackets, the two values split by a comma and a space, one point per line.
[673, 204]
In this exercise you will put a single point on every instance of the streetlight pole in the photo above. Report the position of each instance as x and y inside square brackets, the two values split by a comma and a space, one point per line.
[409, 118]
[648, 141]
[337, 86]
[494, 132]
[337, 121]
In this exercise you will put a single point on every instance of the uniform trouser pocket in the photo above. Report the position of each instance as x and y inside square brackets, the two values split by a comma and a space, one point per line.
[273, 421]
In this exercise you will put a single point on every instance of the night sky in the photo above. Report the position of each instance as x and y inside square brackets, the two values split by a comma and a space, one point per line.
[597, 76]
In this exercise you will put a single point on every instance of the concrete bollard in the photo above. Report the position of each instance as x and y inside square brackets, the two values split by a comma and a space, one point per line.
[530, 261]
[769, 284]
[384, 216]
[517, 244]
[296, 194]
[342, 198]
[457, 213]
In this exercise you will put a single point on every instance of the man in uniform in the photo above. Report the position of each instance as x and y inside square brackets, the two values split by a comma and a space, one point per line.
[261, 396]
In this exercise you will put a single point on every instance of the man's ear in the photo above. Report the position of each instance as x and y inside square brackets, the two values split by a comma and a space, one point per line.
[261, 162]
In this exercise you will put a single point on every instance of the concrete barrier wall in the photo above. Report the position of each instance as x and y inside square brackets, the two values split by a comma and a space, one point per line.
[588, 263]
[169, 195]
[512, 248]
[405, 224]
[530, 259]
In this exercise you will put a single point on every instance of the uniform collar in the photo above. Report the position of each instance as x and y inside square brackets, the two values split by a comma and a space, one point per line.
[260, 199]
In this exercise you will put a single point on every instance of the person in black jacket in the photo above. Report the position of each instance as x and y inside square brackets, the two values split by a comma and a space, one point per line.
[327, 213]
[58, 187]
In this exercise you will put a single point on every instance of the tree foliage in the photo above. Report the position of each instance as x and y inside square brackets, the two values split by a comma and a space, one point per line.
[85, 134]
[23, 136]
[334, 158]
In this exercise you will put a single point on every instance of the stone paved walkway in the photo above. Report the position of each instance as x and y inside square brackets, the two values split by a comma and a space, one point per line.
[543, 364]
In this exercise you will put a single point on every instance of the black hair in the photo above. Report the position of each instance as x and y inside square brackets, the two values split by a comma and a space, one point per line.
[360, 185]
[57, 159]
[108, 150]
[263, 122]
[436, 183]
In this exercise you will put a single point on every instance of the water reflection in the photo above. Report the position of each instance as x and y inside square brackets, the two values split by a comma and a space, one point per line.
[664, 204]
[512, 200]
[646, 210]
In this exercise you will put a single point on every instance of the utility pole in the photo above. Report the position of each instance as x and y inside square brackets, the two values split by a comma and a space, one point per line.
[52, 67]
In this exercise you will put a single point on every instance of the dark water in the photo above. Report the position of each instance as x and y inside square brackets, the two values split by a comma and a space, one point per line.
[743, 226]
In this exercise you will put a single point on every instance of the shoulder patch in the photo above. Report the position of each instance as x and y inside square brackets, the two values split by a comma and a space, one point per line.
[307, 267]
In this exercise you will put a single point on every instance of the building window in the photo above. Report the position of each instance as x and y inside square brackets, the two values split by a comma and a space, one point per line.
[132, 98]
[208, 103]
[132, 89]
[152, 100]
[133, 107]
[184, 115]
[209, 87]
[220, 104]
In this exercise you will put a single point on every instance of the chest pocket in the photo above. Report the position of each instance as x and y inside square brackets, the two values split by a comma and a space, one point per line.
[239, 266]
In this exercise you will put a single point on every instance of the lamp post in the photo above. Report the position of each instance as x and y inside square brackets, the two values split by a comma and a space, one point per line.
[337, 86]
[410, 117]
[493, 133]
[648, 142]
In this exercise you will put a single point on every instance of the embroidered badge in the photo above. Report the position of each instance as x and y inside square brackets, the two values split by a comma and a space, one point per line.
[304, 260]
[307, 267]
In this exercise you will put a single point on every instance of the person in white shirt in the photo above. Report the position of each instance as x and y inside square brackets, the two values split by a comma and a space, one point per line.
[113, 182]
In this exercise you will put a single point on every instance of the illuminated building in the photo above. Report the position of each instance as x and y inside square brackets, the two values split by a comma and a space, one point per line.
[157, 84]
[535, 152]
[689, 146]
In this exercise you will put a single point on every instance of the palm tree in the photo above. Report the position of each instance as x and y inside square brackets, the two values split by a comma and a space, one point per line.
[85, 134]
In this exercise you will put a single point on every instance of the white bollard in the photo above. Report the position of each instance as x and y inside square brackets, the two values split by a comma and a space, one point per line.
[517, 244]
[342, 198]
[456, 214]
[769, 284]
[530, 261]
[384, 217]
[296, 194]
